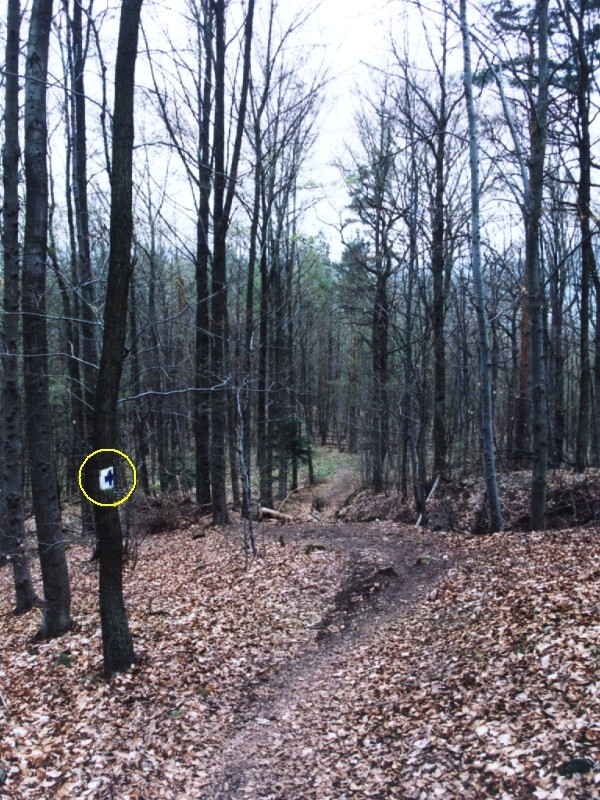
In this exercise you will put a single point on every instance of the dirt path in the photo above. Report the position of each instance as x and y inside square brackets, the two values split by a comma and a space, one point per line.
[343, 483]
[324, 498]
[390, 568]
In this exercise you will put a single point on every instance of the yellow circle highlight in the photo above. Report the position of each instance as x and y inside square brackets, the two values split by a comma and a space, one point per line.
[129, 461]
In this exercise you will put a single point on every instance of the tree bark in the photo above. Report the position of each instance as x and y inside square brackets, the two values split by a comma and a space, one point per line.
[263, 461]
[84, 356]
[557, 345]
[13, 538]
[409, 421]
[157, 371]
[380, 419]
[438, 268]
[222, 203]
[521, 454]
[219, 285]
[272, 514]
[139, 412]
[487, 426]
[117, 643]
[80, 195]
[597, 376]
[202, 367]
[56, 618]
[577, 36]
[533, 213]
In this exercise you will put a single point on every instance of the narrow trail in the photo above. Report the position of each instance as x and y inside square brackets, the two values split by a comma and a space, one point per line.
[343, 483]
[328, 495]
[353, 661]
[391, 567]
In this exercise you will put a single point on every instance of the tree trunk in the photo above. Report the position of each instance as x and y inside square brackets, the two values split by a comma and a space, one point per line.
[245, 404]
[409, 422]
[157, 371]
[487, 428]
[56, 619]
[11, 480]
[232, 419]
[3, 515]
[70, 298]
[219, 286]
[82, 263]
[80, 184]
[521, 435]
[438, 268]
[380, 419]
[222, 203]
[588, 260]
[557, 294]
[533, 213]
[117, 644]
[139, 412]
[202, 369]
[279, 382]
[262, 461]
[597, 375]
[352, 399]
[75, 456]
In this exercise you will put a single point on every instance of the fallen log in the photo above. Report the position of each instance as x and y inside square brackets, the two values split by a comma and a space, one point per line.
[272, 514]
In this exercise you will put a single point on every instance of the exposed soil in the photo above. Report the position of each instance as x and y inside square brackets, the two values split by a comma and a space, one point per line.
[390, 568]
[323, 501]
[358, 660]
[393, 567]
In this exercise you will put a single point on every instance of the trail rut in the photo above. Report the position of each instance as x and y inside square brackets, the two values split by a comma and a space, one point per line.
[389, 569]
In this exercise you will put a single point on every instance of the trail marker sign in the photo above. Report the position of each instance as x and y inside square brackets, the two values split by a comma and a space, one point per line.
[107, 479]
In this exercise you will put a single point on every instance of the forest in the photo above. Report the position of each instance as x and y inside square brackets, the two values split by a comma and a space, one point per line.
[300, 416]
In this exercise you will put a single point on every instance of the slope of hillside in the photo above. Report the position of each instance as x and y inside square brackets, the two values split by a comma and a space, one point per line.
[367, 660]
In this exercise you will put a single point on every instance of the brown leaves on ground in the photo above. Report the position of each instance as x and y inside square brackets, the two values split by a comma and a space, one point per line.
[485, 687]
[573, 500]
[207, 632]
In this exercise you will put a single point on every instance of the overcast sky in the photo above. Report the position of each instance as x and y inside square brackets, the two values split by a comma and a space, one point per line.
[349, 35]
[342, 36]
[352, 36]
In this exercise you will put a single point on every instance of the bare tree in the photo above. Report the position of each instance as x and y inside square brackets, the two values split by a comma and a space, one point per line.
[581, 43]
[202, 257]
[77, 56]
[487, 427]
[532, 177]
[374, 198]
[57, 597]
[193, 91]
[117, 643]
[223, 195]
[439, 101]
[11, 481]
[533, 214]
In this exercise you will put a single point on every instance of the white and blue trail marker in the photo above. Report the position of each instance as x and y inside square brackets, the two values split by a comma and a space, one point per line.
[107, 479]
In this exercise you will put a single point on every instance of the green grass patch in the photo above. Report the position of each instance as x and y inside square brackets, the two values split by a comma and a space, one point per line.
[327, 461]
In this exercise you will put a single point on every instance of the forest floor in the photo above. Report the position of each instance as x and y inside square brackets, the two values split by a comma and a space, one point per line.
[350, 660]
